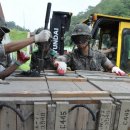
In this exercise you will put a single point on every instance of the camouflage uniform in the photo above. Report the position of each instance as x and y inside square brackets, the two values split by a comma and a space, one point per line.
[48, 60]
[5, 60]
[2, 51]
[95, 60]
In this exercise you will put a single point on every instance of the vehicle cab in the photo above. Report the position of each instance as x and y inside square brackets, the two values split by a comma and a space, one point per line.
[111, 31]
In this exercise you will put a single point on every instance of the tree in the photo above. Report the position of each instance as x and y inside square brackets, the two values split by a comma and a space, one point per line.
[12, 25]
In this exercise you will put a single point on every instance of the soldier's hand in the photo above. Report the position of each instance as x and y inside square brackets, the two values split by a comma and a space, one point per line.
[21, 58]
[113, 49]
[61, 67]
[118, 71]
[43, 36]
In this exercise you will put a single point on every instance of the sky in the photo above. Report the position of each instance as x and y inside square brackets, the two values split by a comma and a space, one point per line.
[31, 13]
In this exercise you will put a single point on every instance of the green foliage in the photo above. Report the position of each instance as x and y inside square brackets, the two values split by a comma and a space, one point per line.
[109, 7]
[17, 35]
[12, 25]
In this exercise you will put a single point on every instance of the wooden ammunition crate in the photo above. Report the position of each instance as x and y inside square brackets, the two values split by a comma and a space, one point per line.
[119, 89]
[76, 101]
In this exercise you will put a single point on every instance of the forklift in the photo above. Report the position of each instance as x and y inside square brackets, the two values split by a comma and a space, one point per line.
[104, 29]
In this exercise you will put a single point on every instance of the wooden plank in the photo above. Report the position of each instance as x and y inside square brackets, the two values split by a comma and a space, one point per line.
[8, 118]
[61, 116]
[11, 78]
[72, 117]
[51, 117]
[121, 97]
[81, 119]
[100, 74]
[82, 100]
[65, 78]
[115, 88]
[86, 86]
[57, 94]
[25, 94]
[24, 88]
[125, 94]
[102, 98]
[27, 112]
[113, 115]
[16, 86]
[117, 115]
[24, 100]
[91, 125]
[105, 115]
[124, 115]
[74, 100]
[40, 114]
[62, 86]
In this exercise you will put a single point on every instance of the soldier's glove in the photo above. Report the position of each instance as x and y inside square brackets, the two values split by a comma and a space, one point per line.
[118, 71]
[21, 58]
[61, 67]
[43, 36]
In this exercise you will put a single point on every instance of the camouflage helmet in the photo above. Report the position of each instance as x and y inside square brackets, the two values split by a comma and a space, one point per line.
[81, 29]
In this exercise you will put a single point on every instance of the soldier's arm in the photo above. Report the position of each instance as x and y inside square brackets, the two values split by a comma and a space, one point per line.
[14, 46]
[114, 69]
[108, 64]
[43, 36]
[8, 71]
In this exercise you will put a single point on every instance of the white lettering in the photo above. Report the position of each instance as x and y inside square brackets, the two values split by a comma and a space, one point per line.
[55, 38]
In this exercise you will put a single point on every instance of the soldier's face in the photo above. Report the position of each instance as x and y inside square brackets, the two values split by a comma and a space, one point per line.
[82, 46]
[80, 39]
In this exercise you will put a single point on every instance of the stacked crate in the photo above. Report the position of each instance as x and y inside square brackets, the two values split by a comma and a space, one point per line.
[80, 100]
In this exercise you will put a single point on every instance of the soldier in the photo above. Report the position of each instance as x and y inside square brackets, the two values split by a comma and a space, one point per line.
[45, 53]
[83, 57]
[5, 61]
[43, 36]
[110, 51]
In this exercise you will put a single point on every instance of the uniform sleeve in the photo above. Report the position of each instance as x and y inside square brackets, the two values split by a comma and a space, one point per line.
[2, 50]
[106, 62]
[104, 59]
[9, 60]
[68, 59]
[65, 58]
[54, 54]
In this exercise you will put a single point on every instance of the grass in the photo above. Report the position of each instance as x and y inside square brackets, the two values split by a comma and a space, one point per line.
[17, 35]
